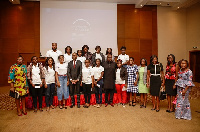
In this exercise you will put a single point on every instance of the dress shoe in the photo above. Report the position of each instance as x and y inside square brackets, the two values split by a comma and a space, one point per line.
[106, 104]
[78, 106]
[71, 106]
[112, 105]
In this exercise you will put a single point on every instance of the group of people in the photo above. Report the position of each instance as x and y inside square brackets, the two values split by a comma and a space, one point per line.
[71, 71]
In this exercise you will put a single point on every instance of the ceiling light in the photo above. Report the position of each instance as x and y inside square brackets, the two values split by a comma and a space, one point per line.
[178, 7]
[140, 5]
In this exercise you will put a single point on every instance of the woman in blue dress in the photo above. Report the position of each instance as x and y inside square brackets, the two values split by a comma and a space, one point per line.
[184, 85]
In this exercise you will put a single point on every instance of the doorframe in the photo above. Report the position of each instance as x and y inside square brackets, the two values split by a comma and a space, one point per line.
[192, 51]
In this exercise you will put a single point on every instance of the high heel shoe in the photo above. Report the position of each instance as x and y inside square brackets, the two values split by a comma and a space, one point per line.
[133, 103]
[25, 113]
[158, 110]
[19, 114]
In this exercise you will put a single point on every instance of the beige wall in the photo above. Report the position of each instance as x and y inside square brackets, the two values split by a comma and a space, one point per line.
[171, 33]
[178, 31]
[193, 28]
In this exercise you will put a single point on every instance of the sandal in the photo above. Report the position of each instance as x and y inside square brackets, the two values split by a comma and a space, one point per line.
[141, 106]
[41, 109]
[47, 109]
[60, 106]
[64, 106]
[35, 110]
[52, 107]
[133, 103]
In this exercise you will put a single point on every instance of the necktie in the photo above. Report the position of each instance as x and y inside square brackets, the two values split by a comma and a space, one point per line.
[74, 64]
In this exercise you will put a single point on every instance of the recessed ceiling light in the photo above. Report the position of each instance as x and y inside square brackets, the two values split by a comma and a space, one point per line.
[160, 3]
[178, 7]
[140, 5]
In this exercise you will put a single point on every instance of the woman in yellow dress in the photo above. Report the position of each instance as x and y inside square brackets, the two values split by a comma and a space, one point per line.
[18, 81]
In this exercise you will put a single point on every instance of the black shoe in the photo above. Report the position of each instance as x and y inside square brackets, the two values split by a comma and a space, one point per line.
[153, 109]
[158, 110]
[78, 106]
[168, 111]
[71, 106]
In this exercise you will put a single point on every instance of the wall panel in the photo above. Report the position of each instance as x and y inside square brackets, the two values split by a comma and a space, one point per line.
[19, 34]
[138, 30]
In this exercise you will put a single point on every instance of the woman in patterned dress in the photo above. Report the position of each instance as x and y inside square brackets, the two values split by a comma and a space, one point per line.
[132, 88]
[18, 81]
[184, 85]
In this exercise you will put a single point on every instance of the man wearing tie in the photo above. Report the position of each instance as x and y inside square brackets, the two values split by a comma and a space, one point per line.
[74, 73]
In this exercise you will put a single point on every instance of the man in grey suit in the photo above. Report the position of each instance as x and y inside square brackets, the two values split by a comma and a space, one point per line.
[74, 73]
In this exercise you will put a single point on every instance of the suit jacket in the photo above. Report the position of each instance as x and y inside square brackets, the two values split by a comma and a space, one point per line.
[74, 73]
[94, 59]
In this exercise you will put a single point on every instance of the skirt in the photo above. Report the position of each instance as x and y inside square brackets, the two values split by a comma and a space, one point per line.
[155, 84]
[183, 110]
[169, 87]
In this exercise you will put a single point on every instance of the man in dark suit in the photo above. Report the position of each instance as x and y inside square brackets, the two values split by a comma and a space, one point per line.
[74, 72]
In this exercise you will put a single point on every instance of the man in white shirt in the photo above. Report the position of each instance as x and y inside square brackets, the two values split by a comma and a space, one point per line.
[54, 53]
[123, 56]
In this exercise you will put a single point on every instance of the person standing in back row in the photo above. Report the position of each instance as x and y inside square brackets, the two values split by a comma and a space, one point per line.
[123, 56]
[54, 53]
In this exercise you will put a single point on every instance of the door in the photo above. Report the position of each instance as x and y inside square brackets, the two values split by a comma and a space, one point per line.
[195, 65]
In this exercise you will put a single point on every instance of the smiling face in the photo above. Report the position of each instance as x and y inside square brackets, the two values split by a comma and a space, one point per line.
[109, 57]
[74, 56]
[50, 62]
[19, 60]
[184, 64]
[109, 50]
[123, 51]
[98, 62]
[131, 61]
[61, 59]
[155, 60]
[68, 50]
[34, 60]
[87, 63]
[79, 53]
[119, 64]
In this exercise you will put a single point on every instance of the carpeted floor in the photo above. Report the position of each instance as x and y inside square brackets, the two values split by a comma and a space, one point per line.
[110, 119]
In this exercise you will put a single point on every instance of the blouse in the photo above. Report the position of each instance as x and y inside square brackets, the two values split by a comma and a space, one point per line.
[170, 72]
[185, 79]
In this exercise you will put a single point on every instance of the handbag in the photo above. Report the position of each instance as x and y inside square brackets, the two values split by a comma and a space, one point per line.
[162, 94]
[14, 94]
[29, 103]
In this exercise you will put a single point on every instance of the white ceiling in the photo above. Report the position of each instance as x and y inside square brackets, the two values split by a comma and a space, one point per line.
[175, 4]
